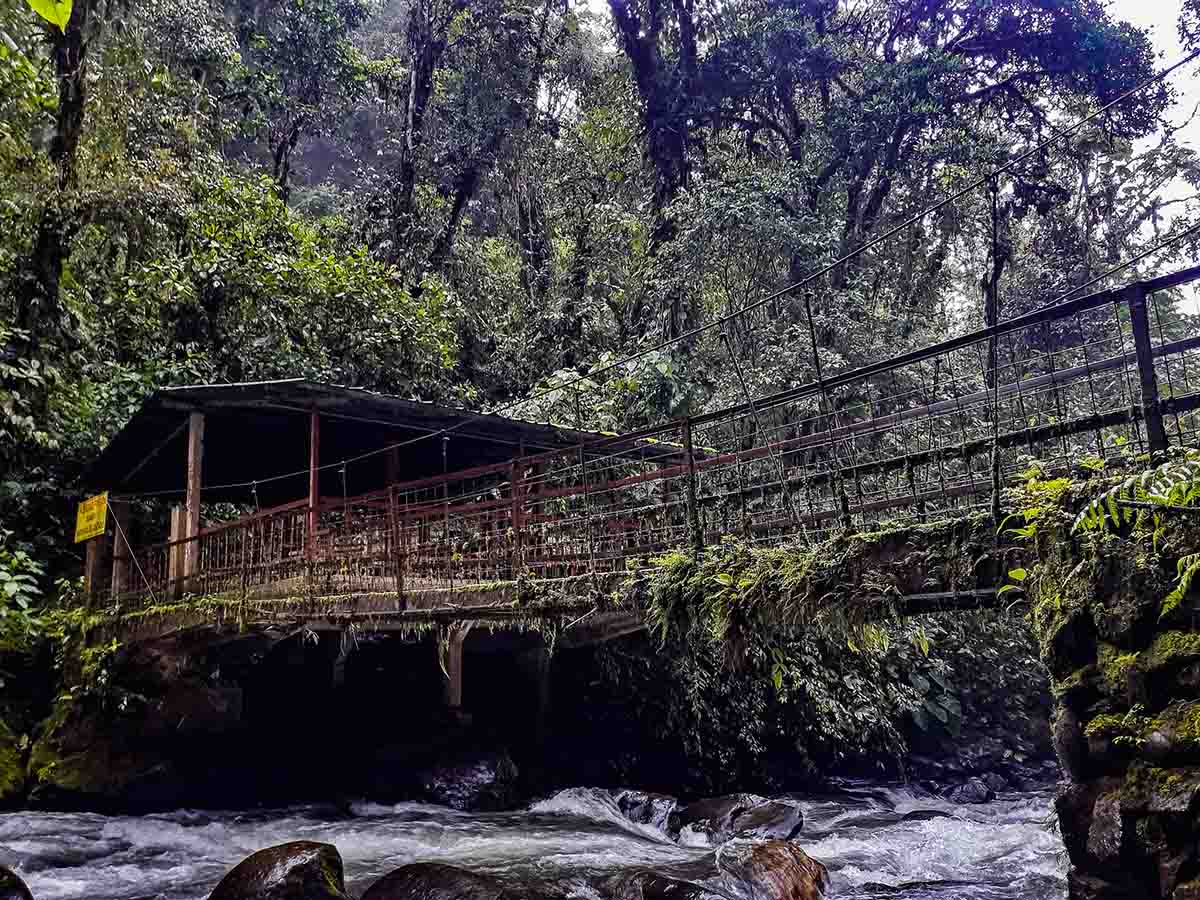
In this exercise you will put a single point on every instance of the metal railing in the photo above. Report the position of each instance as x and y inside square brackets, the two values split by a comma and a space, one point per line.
[932, 432]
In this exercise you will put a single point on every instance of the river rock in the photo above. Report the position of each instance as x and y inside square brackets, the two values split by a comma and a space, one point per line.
[780, 819]
[473, 782]
[774, 870]
[711, 820]
[646, 808]
[995, 781]
[299, 870]
[973, 791]
[652, 886]
[12, 887]
[435, 881]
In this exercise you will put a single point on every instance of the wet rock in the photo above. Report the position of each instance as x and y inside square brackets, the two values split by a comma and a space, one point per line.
[1153, 790]
[652, 886]
[1069, 742]
[1082, 886]
[711, 818]
[995, 781]
[646, 808]
[717, 819]
[1105, 831]
[299, 870]
[973, 791]
[473, 782]
[434, 881]
[782, 819]
[12, 887]
[1075, 804]
[774, 870]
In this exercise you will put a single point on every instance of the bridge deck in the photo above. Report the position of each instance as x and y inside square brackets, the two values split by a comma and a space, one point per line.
[931, 433]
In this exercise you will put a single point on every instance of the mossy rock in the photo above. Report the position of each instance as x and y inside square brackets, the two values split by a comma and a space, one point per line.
[298, 870]
[74, 764]
[1172, 649]
[1149, 789]
[12, 767]
[1116, 667]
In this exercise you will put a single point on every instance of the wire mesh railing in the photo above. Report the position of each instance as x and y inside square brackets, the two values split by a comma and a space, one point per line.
[930, 433]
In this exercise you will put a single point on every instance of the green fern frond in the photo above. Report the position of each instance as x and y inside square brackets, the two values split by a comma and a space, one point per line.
[1172, 483]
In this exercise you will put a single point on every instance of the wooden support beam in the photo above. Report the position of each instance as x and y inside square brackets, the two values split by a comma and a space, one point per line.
[122, 552]
[314, 481]
[175, 551]
[195, 466]
[96, 554]
[455, 635]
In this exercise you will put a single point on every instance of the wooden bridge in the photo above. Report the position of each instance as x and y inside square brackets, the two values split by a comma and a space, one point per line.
[932, 433]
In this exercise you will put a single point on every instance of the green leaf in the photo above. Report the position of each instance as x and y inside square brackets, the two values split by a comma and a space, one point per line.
[56, 12]
[1018, 574]
[724, 578]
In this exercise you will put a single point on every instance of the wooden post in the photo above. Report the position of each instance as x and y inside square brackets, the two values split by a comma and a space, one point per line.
[93, 566]
[314, 481]
[175, 552]
[518, 517]
[391, 463]
[397, 542]
[693, 516]
[122, 552]
[195, 465]
[1156, 433]
[456, 635]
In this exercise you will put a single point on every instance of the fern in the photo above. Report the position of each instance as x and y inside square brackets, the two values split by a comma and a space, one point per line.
[1173, 483]
[1185, 571]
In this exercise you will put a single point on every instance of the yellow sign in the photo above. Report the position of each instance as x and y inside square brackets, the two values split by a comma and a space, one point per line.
[92, 517]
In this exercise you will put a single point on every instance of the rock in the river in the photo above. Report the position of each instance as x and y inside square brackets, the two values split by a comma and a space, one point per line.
[646, 808]
[995, 781]
[652, 886]
[717, 819]
[12, 887]
[483, 781]
[774, 870]
[973, 791]
[299, 870]
[434, 881]
[780, 819]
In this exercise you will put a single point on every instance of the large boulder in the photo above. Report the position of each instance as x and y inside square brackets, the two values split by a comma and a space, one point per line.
[775, 819]
[435, 881]
[472, 782]
[710, 820]
[773, 870]
[718, 819]
[299, 870]
[12, 887]
[646, 808]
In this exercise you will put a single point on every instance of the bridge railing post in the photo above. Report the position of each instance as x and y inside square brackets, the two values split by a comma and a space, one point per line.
[696, 538]
[1156, 432]
[518, 517]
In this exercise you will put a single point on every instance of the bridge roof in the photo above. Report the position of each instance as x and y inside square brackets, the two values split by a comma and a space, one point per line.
[259, 432]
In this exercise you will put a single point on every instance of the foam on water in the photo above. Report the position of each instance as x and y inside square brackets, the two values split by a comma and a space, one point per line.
[869, 838]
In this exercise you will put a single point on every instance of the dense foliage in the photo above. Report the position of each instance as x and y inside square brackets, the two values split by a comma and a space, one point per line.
[482, 200]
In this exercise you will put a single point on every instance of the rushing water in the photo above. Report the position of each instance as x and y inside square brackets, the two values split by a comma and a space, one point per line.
[877, 842]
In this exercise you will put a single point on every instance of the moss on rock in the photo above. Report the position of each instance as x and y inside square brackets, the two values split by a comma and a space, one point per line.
[12, 766]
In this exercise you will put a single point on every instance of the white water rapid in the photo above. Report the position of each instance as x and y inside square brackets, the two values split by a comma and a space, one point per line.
[876, 841]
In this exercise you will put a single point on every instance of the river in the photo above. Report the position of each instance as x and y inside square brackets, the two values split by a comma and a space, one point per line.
[877, 841]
